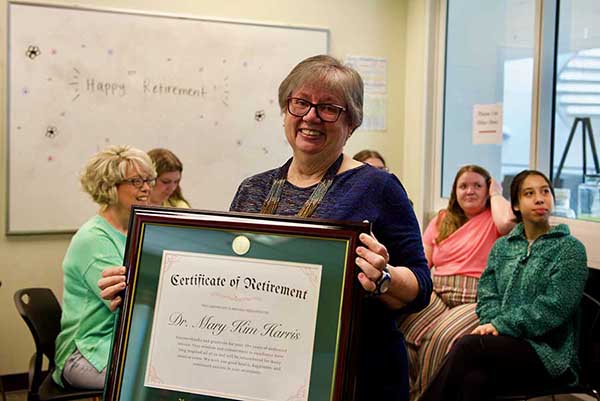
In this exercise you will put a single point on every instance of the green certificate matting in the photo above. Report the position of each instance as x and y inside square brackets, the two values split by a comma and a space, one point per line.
[128, 370]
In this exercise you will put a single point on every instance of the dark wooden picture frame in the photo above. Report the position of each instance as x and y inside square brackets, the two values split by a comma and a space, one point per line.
[330, 244]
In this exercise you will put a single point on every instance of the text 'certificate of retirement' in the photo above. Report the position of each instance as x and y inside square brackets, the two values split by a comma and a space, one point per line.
[233, 327]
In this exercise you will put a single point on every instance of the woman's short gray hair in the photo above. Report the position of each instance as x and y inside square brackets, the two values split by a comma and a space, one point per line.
[327, 72]
[108, 168]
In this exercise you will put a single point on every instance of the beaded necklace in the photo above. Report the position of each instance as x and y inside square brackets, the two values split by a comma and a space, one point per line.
[309, 207]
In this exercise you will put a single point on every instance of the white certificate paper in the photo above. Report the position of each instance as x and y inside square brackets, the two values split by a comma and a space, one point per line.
[233, 327]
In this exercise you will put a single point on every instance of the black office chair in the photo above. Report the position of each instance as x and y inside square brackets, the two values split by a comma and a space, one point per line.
[41, 311]
[589, 357]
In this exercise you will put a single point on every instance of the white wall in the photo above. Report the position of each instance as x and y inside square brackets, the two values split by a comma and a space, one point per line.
[382, 28]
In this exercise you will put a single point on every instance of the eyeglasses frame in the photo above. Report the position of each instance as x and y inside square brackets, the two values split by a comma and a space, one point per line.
[315, 106]
[150, 181]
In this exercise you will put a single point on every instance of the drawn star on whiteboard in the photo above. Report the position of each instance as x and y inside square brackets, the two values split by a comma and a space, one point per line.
[51, 132]
[259, 115]
[33, 51]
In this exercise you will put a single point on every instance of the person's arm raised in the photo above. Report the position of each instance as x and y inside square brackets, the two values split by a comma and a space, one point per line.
[502, 213]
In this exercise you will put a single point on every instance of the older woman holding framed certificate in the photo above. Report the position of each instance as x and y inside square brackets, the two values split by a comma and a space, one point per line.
[322, 100]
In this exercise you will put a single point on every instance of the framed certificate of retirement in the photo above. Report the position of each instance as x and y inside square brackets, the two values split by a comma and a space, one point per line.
[230, 306]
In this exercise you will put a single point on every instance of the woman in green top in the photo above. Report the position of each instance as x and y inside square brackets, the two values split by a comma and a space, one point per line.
[528, 299]
[116, 179]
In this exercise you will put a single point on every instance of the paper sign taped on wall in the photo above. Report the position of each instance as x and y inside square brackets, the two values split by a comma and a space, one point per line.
[487, 123]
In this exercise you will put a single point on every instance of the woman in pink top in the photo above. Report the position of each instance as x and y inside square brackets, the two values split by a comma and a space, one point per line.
[457, 243]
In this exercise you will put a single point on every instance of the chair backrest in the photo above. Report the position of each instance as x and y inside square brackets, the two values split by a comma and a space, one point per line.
[589, 355]
[40, 309]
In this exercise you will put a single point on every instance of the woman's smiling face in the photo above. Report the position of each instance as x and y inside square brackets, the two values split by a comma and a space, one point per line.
[128, 194]
[309, 134]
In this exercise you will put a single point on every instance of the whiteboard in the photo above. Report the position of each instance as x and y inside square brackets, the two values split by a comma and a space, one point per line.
[82, 79]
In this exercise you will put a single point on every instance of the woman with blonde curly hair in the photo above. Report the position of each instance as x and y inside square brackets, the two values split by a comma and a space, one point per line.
[169, 168]
[457, 243]
[116, 178]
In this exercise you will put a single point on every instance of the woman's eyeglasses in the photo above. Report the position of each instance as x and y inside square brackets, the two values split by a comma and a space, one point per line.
[325, 111]
[138, 182]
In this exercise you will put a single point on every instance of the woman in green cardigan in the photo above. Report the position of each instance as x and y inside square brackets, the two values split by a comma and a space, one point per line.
[528, 299]
[116, 178]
